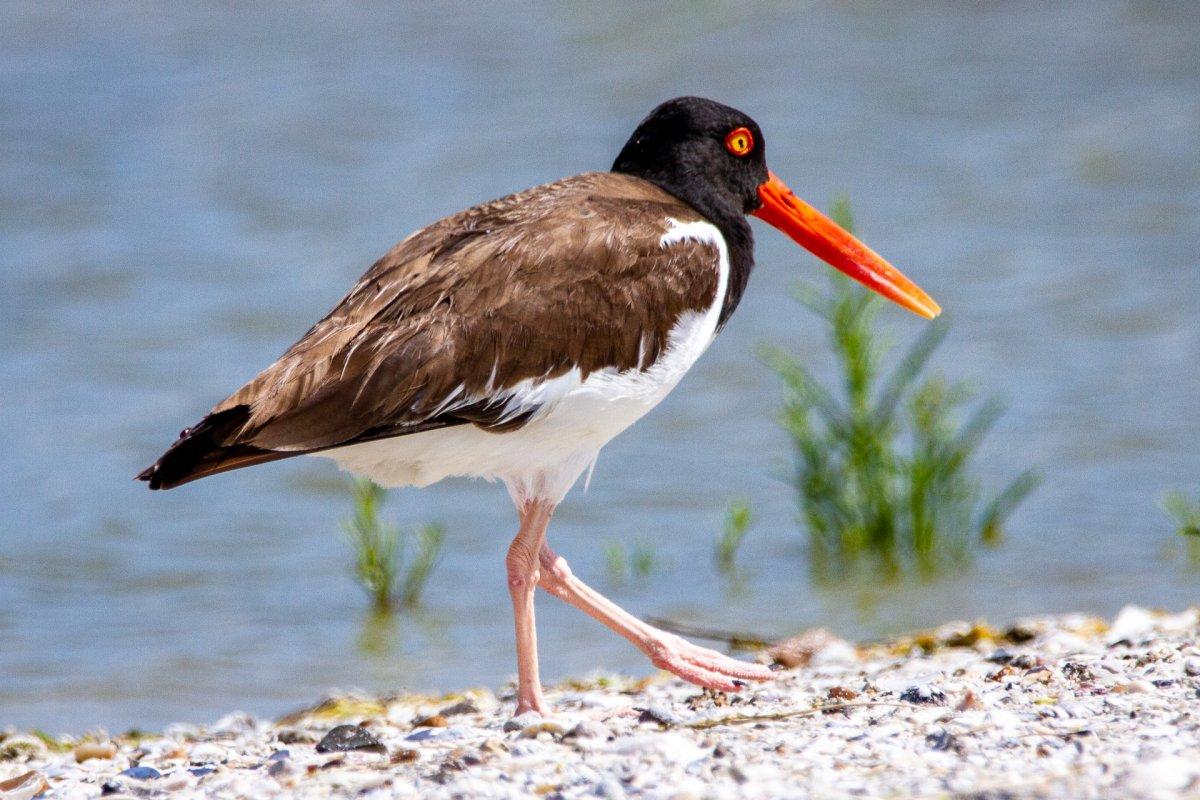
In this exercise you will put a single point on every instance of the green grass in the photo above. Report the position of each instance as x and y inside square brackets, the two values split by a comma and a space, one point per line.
[733, 531]
[391, 565]
[1184, 510]
[638, 562]
[883, 463]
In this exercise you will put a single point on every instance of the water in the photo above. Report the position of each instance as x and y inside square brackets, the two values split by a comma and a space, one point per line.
[183, 191]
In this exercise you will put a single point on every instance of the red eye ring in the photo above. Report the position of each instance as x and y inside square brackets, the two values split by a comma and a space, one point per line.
[739, 141]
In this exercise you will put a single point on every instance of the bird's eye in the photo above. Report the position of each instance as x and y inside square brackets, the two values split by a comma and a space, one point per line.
[739, 141]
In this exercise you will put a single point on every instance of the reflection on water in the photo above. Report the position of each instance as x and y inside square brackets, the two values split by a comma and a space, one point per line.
[184, 189]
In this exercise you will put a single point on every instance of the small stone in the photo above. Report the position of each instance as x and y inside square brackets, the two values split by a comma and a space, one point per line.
[610, 788]
[172, 782]
[347, 738]
[405, 755]
[669, 747]
[1133, 624]
[200, 772]
[24, 786]
[923, 695]
[280, 769]
[799, 651]
[237, 722]
[1135, 686]
[522, 721]
[280, 755]
[841, 693]
[90, 750]
[1078, 672]
[110, 787]
[587, 729]
[969, 702]
[1026, 661]
[1191, 667]
[1000, 656]
[659, 715]
[545, 726]
[940, 740]
[432, 721]
[208, 753]
[466, 706]
[438, 734]
[1162, 777]
[295, 736]
[140, 773]
[1021, 633]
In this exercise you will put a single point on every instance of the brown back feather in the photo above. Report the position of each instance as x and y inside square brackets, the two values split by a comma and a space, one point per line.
[565, 275]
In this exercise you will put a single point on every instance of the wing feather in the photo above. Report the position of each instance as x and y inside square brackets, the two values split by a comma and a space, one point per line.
[571, 275]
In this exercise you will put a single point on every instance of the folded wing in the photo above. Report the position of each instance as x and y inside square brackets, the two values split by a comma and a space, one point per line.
[570, 275]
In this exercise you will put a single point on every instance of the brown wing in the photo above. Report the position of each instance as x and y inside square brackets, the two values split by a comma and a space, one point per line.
[567, 275]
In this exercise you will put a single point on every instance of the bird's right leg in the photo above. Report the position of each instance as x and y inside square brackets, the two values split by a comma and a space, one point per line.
[522, 566]
[698, 665]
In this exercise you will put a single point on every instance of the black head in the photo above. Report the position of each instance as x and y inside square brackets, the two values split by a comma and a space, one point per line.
[713, 157]
[699, 151]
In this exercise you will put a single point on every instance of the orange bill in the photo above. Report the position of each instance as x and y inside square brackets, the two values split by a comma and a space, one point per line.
[831, 243]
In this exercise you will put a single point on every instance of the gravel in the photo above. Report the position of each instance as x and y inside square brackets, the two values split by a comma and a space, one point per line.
[1064, 706]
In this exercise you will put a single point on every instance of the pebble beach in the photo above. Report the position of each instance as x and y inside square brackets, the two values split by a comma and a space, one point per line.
[1053, 707]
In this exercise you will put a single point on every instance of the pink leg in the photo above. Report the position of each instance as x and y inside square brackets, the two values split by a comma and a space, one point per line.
[694, 664]
[523, 575]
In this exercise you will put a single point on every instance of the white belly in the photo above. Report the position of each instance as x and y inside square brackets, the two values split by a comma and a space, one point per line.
[544, 457]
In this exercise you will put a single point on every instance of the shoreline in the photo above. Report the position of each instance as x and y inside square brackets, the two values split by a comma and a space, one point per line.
[1056, 706]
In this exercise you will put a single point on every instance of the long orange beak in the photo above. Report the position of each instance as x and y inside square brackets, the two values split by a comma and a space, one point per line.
[831, 243]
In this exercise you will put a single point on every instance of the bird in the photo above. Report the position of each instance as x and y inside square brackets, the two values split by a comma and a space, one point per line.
[512, 340]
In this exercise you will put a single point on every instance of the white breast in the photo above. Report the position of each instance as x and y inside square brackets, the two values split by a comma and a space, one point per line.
[544, 457]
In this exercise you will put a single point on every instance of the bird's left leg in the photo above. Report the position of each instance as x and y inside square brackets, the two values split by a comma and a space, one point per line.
[695, 664]
[523, 568]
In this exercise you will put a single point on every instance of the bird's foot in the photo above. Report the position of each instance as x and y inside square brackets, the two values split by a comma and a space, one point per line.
[702, 666]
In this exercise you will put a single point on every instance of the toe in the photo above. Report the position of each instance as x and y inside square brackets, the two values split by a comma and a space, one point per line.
[719, 662]
[674, 663]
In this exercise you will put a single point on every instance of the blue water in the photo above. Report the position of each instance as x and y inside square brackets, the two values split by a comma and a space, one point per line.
[184, 189]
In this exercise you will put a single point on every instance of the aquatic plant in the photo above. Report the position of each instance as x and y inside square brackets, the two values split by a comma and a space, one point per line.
[1184, 510]
[882, 465]
[733, 531]
[621, 563]
[381, 550]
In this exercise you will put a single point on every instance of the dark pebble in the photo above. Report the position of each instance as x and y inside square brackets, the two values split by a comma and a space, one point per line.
[142, 773]
[110, 787]
[656, 714]
[1001, 656]
[940, 740]
[461, 707]
[346, 738]
[923, 695]
[200, 772]
[1077, 672]
[279, 755]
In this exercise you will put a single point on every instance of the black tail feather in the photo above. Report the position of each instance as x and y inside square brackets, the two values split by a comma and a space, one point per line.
[198, 452]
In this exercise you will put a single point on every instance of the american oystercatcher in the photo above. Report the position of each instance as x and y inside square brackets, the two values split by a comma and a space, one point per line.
[514, 339]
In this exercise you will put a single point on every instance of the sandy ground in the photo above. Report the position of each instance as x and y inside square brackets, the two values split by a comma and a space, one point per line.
[1070, 707]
